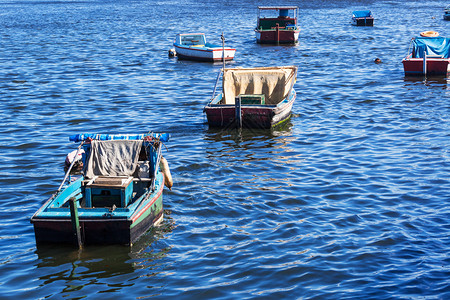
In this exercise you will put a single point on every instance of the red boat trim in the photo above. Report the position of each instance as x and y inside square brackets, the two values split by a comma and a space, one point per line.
[148, 205]
[203, 50]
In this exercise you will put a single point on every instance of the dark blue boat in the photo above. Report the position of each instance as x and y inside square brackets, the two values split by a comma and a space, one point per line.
[362, 18]
[115, 197]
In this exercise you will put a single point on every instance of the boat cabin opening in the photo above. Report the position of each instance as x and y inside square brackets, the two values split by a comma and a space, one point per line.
[192, 39]
[271, 17]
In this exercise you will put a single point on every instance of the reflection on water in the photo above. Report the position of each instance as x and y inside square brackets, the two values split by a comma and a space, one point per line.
[348, 199]
[94, 263]
[90, 261]
[442, 81]
[246, 134]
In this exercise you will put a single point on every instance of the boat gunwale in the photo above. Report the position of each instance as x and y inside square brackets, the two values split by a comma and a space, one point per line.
[276, 7]
[258, 106]
[282, 111]
[203, 48]
[278, 107]
[89, 213]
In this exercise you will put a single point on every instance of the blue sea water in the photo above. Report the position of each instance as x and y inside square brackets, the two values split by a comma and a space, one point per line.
[348, 200]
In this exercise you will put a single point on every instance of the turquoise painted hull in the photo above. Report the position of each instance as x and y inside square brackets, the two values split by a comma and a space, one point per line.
[103, 225]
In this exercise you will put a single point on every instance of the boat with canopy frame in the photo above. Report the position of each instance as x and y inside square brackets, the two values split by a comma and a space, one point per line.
[116, 197]
[279, 29]
[253, 97]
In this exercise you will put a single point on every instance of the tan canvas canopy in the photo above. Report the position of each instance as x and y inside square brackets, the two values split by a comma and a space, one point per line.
[274, 82]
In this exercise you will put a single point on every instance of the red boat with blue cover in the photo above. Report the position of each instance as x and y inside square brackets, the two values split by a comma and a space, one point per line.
[428, 55]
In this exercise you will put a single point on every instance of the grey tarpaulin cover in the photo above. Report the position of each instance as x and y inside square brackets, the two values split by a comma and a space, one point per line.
[113, 158]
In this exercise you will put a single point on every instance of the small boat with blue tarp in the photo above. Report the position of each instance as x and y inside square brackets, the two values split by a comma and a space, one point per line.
[279, 29]
[253, 97]
[362, 18]
[447, 13]
[193, 46]
[429, 54]
[115, 197]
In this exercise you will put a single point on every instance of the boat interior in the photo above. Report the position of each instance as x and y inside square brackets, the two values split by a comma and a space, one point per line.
[115, 175]
[271, 23]
[193, 40]
[286, 19]
[257, 86]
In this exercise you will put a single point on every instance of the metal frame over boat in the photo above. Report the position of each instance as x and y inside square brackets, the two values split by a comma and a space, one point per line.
[253, 97]
[362, 18]
[428, 55]
[193, 46]
[115, 199]
[281, 29]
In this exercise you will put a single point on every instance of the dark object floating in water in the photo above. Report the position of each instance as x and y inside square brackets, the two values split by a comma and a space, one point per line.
[172, 53]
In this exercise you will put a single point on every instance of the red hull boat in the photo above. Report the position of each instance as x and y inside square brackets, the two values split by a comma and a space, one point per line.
[253, 98]
[429, 55]
[281, 29]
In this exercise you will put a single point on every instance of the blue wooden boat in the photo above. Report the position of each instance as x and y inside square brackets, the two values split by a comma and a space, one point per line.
[117, 196]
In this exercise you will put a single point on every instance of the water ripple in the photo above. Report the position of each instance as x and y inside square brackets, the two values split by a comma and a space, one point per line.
[347, 200]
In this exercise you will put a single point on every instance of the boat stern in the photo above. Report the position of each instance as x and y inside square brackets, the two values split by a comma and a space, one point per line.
[428, 66]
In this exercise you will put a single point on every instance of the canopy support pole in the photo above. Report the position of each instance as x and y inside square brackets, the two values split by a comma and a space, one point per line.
[223, 50]
[238, 112]
[424, 64]
[75, 221]
[277, 30]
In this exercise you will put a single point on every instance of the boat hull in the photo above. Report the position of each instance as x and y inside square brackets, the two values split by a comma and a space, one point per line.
[368, 21]
[275, 36]
[434, 66]
[204, 54]
[253, 116]
[98, 226]
[93, 231]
